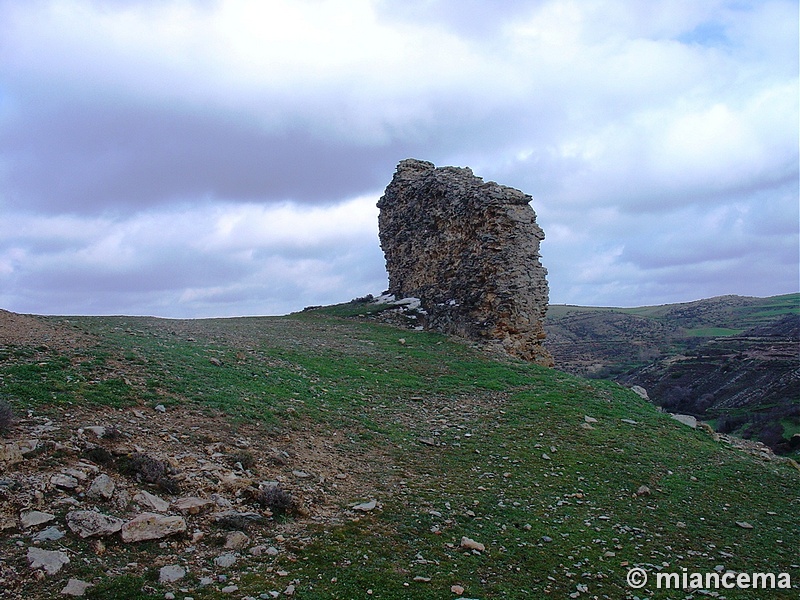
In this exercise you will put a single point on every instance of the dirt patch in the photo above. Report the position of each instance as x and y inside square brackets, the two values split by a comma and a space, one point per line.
[51, 461]
[30, 330]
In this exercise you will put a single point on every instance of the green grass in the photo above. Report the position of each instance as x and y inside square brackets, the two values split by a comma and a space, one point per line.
[487, 477]
[790, 428]
[755, 311]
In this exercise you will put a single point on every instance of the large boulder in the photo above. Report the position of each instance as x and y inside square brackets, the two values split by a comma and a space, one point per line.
[469, 250]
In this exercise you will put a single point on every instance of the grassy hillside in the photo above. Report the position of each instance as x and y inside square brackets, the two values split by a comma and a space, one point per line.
[729, 360]
[540, 467]
[605, 341]
[743, 312]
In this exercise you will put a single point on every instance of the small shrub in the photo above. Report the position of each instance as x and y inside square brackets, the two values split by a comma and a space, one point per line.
[99, 455]
[244, 458]
[6, 416]
[124, 587]
[112, 433]
[275, 499]
[144, 467]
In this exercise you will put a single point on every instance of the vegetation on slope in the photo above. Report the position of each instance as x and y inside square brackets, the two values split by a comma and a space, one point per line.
[732, 361]
[543, 468]
[604, 342]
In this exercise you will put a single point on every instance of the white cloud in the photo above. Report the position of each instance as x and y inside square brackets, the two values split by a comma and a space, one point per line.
[206, 259]
[217, 157]
[290, 226]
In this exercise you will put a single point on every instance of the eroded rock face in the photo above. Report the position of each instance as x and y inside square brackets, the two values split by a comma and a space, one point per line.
[469, 250]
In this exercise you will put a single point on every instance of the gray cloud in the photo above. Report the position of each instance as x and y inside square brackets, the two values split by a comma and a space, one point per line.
[85, 157]
[200, 158]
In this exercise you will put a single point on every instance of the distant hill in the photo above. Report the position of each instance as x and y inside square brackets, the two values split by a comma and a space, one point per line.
[731, 360]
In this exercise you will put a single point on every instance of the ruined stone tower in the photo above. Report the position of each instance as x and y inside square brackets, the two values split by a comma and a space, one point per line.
[469, 250]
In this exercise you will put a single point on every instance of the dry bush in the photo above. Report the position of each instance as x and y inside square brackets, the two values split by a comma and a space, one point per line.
[277, 500]
[6, 416]
[144, 467]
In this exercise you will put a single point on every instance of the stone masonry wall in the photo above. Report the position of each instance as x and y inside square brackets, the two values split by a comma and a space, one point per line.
[469, 250]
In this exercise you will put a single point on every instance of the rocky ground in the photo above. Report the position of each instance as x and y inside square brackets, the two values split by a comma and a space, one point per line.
[202, 503]
[101, 483]
[223, 489]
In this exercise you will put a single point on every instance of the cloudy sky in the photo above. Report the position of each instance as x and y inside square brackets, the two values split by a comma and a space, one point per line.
[193, 158]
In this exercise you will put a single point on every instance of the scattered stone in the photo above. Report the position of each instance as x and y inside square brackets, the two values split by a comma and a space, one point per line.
[744, 524]
[215, 361]
[10, 453]
[226, 560]
[31, 518]
[50, 534]
[27, 446]
[643, 491]
[589, 419]
[97, 430]
[76, 587]
[229, 589]
[457, 590]
[160, 408]
[192, 505]
[428, 441]
[221, 501]
[49, 560]
[289, 591]
[640, 391]
[171, 573]
[688, 420]
[366, 506]
[151, 526]
[421, 579]
[88, 523]
[76, 473]
[232, 519]
[102, 487]
[67, 482]
[301, 474]
[236, 540]
[471, 544]
[629, 421]
[148, 500]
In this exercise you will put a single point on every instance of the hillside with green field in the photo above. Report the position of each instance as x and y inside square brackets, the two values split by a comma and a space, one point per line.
[325, 454]
[607, 341]
[731, 361]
